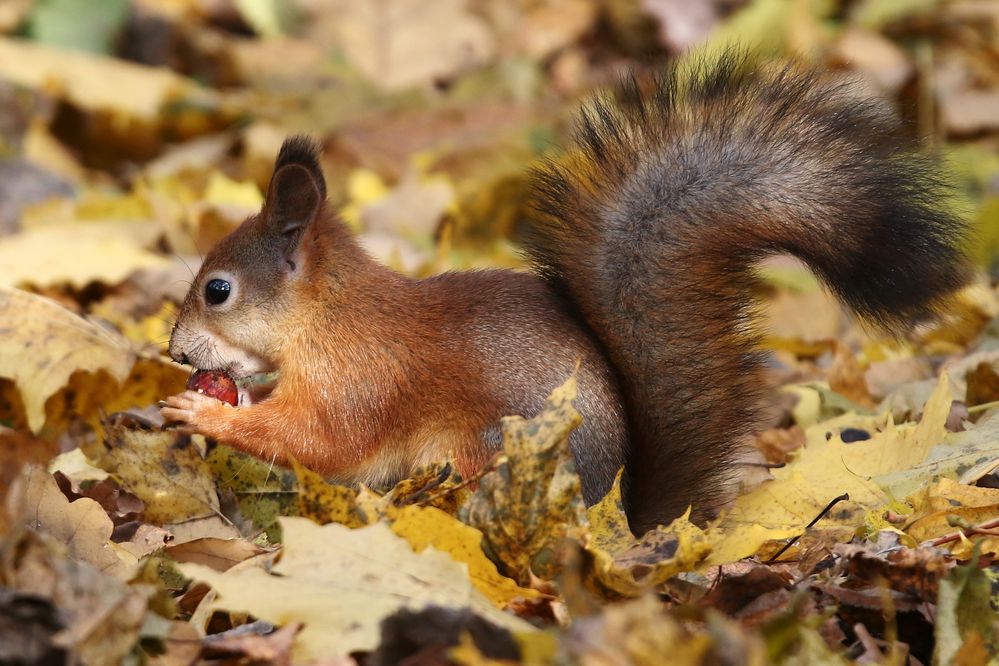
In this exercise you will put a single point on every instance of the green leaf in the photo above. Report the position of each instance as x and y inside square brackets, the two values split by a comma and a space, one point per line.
[268, 18]
[79, 25]
[964, 608]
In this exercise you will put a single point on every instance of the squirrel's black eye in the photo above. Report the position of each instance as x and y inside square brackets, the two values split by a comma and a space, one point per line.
[216, 291]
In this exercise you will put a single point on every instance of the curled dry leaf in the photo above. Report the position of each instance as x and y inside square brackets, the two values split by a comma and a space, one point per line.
[82, 525]
[629, 566]
[325, 502]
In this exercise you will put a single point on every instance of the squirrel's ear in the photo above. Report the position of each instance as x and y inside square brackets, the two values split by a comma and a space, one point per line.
[297, 190]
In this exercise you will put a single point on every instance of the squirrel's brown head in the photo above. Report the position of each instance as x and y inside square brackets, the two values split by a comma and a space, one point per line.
[239, 309]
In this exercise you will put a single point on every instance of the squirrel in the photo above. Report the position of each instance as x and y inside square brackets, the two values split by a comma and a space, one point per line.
[641, 251]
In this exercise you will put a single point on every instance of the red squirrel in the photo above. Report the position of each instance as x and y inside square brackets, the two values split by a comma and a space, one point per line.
[642, 249]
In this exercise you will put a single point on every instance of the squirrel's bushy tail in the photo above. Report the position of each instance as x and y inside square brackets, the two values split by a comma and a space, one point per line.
[653, 224]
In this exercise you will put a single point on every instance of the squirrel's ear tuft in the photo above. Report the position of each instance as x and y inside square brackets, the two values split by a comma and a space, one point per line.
[297, 191]
[304, 151]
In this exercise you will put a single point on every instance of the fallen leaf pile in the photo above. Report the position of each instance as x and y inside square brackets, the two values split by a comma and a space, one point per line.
[134, 137]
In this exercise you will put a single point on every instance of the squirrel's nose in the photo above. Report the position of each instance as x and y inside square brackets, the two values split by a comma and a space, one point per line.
[180, 357]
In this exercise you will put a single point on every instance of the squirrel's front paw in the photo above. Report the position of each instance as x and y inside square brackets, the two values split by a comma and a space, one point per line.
[194, 412]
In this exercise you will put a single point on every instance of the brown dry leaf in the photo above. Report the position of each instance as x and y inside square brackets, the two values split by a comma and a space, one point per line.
[874, 56]
[810, 318]
[916, 570]
[983, 385]
[531, 502]
[162, 468]
[415, 206]
[120, 506]
[883, 377]
[182, 646]
[777, 443]
[274, 648]
[426, 527]
[387, 40]
[210, 527]
[682, 24]
[42, 344]
[147, 540]
[341, 583]
[970, 111]
[846, 377]
[99, 618]
[217, 554]
[36, 502]
[18, 449]
[537, 30]
[12, 14]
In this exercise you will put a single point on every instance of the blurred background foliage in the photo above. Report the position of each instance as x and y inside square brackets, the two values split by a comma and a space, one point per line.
[145, 129]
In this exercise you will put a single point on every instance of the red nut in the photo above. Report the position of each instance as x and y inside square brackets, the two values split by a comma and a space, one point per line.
[215, 383]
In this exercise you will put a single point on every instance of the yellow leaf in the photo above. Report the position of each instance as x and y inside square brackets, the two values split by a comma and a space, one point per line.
[902, 447]
[325, 502]
[74, 254]
[733, 541]
[94, 82]
[341, 583]
[427, 526]
[935, 507]
[531, 502]
[964, 456]
[164, 470]
[224, 191]
[437, 484]
[264, 490]
[630, 566]
[42, 344]
[826, 468]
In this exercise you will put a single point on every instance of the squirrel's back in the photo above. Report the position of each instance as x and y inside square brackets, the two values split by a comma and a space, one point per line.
[652, 226]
